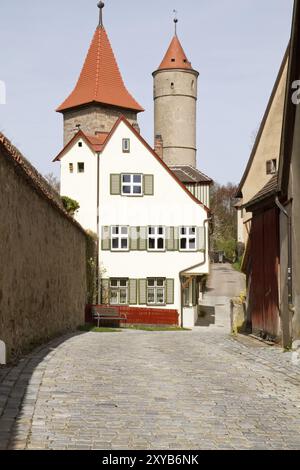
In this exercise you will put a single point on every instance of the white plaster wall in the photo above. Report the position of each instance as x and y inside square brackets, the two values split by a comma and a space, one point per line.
[81, 186]
[170, 206]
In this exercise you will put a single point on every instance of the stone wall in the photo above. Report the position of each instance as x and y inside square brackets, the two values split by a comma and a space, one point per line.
[94, 118]
[43, 258]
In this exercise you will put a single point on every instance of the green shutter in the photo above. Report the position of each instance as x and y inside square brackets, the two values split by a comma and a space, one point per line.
[105, 296]
[169, 291]
[170, 239]
[142, 291]
[132, 291]
[143, 239]
[194, 293]
[115, 185]
[134, 238]
[148, 185]
[201, 238]
[105, 242]
[176, 238]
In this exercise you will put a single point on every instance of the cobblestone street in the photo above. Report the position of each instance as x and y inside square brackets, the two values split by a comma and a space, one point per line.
[145, 390]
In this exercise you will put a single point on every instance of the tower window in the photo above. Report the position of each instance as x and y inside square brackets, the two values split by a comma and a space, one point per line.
[172, 86]
[271, 167]
[80, 167]
[193, 84]
[79, 144]
[172, 60]
[126, 145]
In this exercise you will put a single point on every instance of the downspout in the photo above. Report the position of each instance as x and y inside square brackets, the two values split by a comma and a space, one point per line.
[181, 274]
[290, 256]
[98, 287]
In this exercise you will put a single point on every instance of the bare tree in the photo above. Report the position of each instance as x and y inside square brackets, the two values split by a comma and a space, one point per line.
[53, 181]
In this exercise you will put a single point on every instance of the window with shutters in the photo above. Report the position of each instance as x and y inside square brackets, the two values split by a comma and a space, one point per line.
[132, 185]
[119, 238]
[118, 291]
[188, 238]
[156, 291]
[156, 238]
[126, 145]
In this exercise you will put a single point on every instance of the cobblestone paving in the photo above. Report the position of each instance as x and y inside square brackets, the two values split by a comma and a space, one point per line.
[142, 390]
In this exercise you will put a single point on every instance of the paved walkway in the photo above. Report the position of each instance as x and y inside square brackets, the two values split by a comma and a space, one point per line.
[142, 390]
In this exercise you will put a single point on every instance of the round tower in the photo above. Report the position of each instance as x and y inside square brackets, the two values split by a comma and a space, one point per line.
[175, 106]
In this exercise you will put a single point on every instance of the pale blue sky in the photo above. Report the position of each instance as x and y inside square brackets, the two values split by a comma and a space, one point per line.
[237, 45]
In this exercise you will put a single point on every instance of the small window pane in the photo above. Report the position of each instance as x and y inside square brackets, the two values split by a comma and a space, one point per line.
[137, 190]
[151, 230]
[151, 296]
[114, 283]
[124, 230]
[123, 283]
[124, 244]
[160, 243]
[137, 178]
[183, 230]
[80, 167]
[183, 244]
[123, 296]
[150, 282]
[160, 282]
[151, 243]
[192, 243]
[113, 296]
[192, 231]
[115, 230]
[115, 243]
[126, 189]
[160, 296]
[160, 230]
[126, 178]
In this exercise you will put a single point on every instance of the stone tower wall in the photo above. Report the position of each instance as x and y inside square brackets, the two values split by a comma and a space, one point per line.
[94, 118]
[175, 109]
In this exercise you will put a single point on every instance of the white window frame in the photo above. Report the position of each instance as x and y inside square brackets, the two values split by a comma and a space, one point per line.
[155, 288]
[132, 185]
[156, 236]
[188, 236]
[119, 236]
[126, 145]
[118, 288]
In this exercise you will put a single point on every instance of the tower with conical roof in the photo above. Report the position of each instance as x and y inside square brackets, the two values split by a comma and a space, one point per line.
[100, 95]
[175, 103]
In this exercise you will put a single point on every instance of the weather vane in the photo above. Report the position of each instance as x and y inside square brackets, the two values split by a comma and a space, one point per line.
[101, 5]
[175, 20]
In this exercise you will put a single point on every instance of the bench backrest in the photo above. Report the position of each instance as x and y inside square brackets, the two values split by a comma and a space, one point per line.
[105, 311]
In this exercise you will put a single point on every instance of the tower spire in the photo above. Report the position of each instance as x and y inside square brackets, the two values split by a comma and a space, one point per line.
[101, 5]
[175, 20]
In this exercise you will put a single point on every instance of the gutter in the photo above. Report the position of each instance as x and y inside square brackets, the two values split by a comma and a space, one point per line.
[290, 256]
[181, 274]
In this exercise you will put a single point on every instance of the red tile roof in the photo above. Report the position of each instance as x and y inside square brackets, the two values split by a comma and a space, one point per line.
[175, 57]
[95, 142]
[100, 80]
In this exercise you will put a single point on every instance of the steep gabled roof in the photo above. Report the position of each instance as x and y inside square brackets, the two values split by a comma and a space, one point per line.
[263, 123]
[148, 147]
[100, 80]
[80, 134]
[175, 57]
[95, 142]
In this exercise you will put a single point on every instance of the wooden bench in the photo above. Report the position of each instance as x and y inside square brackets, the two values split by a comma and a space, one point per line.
[107, 313]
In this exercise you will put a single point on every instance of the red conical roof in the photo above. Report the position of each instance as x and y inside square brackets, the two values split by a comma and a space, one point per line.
[100, 80]
[175, 57]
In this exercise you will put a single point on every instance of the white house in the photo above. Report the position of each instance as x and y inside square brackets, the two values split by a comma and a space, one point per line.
[153, 231]
[152, 225]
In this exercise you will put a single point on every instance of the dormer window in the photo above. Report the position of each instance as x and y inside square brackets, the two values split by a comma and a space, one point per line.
[271, 167]
[126, 145]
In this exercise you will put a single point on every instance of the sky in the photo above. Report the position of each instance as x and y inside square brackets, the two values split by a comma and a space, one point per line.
[236, 45]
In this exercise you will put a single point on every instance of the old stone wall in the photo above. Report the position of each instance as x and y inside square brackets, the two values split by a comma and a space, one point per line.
[94, 118]
[42, 258]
